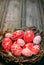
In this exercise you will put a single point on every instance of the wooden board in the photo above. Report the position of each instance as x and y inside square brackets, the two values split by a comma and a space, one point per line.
[33, 14]
[19, 13]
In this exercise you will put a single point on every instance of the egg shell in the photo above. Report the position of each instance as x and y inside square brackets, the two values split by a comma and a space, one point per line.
[37, 39]
[6, 44]
[26, 52]
[28, 45]
[29, 36]
[8, 35]
[17, 34]
[36, 49]
[16, 49]
[21, 42]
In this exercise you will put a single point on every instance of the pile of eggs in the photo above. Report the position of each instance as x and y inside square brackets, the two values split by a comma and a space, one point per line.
[22, 43]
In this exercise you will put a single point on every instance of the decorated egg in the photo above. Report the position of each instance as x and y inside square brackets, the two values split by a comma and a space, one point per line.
[17, 34]
[8, 35]
[35, 49]
[29, 36]
[28, 45]
[16, 49]
[21, 42]
[37, 39]
[6, 44]
[26, 52]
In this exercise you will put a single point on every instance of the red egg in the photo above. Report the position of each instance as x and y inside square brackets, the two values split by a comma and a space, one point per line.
[28, 36]
[17, 34]
[35, 49]
[28, 45]
[16, 49]
[6, 44]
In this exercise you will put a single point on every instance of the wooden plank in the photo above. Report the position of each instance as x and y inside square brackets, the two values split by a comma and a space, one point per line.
[23, 13]
[13, 15]
[42, 14]
[18, 13]
[4, 14]
[33, 14]
[2, 8]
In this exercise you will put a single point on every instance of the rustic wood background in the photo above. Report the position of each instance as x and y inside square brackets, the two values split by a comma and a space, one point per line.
[19, 13]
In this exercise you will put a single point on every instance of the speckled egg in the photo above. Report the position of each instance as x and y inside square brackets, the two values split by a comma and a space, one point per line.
[8, 35]
[37, 39]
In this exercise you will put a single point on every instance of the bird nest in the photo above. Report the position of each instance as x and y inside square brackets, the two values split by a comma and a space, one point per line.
[7, 57]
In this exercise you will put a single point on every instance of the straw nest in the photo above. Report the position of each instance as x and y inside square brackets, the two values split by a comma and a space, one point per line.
[21, 60]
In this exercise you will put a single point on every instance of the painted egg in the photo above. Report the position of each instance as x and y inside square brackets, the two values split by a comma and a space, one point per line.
[37, 39]
[29, 36]
[21, 42]
[26, 52]
[16, 49]
[6, 44]
[35, 49]
[8, 35]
